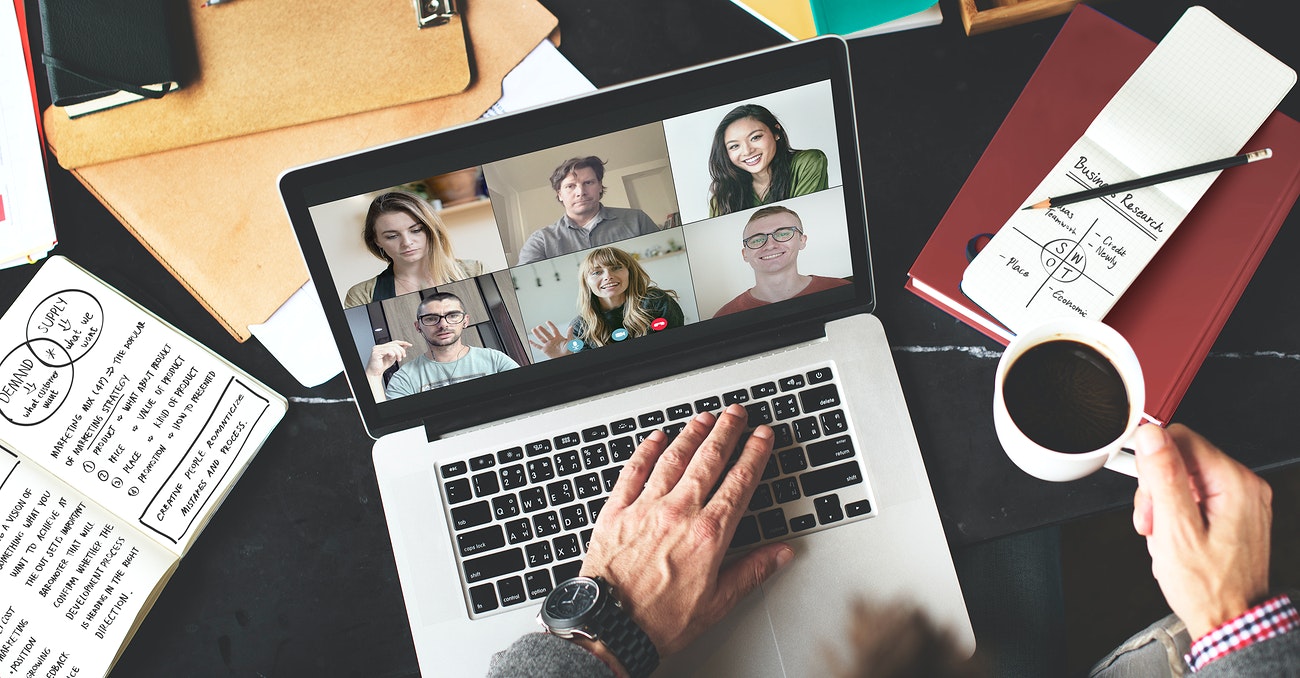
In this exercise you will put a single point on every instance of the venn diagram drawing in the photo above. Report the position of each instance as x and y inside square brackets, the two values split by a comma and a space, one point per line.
[37, 375]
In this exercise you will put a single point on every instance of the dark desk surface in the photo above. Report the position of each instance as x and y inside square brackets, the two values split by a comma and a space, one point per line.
[294, 576]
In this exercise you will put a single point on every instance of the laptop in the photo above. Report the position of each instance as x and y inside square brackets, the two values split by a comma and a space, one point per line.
[519, 396]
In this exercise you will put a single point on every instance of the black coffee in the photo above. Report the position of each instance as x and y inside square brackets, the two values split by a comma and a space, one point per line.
[1066, 396]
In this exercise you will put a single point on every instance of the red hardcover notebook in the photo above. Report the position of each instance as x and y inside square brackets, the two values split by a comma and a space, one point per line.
[1174, 310]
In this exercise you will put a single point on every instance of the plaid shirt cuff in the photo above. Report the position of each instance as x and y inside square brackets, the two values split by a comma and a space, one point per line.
[1266, 620]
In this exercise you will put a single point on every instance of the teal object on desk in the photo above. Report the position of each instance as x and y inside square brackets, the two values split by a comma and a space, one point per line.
[849, 16]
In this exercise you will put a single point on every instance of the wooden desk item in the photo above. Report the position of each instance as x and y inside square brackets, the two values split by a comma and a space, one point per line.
[211, 213]
[979, 17]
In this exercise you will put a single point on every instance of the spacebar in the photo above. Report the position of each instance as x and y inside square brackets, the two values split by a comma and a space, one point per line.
[831, 478]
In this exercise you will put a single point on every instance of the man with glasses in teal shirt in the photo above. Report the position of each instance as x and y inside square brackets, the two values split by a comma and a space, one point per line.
[440, 319]
[770, 244]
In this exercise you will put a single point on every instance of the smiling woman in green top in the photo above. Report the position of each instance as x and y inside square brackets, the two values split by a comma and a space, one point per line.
[752, 163]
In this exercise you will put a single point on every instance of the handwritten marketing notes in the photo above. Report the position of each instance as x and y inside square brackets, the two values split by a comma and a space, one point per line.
[119, 437]
[1200, 96]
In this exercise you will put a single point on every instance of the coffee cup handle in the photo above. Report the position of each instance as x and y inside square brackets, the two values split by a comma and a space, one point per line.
[1123, 461]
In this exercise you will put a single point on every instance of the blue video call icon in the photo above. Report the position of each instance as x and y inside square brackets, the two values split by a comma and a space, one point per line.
[619, 334]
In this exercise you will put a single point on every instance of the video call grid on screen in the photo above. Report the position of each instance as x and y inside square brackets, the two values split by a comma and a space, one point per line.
[660, 169]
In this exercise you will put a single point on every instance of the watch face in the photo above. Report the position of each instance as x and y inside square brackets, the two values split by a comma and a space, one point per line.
[571, 600]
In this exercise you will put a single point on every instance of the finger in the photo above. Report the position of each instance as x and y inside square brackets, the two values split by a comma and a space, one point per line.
[1142, 513]
[1211, 471]
[540, 333]
[739, 578]
[737, 487]
[632, 479]
[1162, 474]
[711, 458]
[674, 460]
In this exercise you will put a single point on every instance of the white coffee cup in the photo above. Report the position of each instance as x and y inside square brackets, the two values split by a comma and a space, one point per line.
[1049, 464]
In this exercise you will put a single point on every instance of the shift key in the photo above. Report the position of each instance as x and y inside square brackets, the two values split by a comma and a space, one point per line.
[494, 565]
[831, 478]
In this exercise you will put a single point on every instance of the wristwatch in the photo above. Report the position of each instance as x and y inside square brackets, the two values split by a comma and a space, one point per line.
[587, 607]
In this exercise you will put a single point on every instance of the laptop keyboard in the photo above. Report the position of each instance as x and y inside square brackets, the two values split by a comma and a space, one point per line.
[522, 517]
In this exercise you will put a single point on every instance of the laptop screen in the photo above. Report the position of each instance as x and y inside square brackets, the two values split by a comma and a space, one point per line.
[538, 257]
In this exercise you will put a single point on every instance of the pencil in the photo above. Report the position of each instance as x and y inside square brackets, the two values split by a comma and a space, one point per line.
[1171, 175]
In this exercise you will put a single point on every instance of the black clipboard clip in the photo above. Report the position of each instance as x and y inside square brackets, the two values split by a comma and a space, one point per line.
[434, 12]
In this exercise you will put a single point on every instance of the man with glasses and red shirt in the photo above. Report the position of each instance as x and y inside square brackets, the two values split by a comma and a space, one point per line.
[440, 319]
[771, 241]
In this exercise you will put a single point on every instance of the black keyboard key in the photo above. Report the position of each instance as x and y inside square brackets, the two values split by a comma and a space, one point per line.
[519, 531]
[560, 492]
[710, 404]
[858, 508]
[792, 382]
[505, 506]
[623, 426]
[806, 429]
[568, 463]
[539, 447]
[478, 541]
[539, 553]
[609, 477]
[594, 433]
[540, 470]
[680, 411]
[493, 565]
[819, 375]
[585, 538]
[573, 517]
[763, 390]
[594, 506]
[762, 498]
[746, 532]
[830, 478]
[546, 524]
[485, 484]
[785, 407]
[784, 437]
[759, 413]
[570, 439]
[567, 546]
[772, 523]
[650, 419]
[828, 509]
[621, 449]
[455, 468]
[594, 456]
[642, 435]
[483, 598]
[457, 490]
[532, 499]
[827, 451]
[566, 571]
[481, 462]
[785, 489]
[733, 397]
[792, 460]
[834, 422]
[512, 454]
[512, 477]
[803, 522]
[586, 486]
[471, 515]
[538, 583]
[819, 398]
[672, 430]
[511, 591]
[771, 470]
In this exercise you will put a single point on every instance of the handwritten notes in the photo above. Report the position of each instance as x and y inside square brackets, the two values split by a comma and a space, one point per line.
[119, 436]
[1200, 96]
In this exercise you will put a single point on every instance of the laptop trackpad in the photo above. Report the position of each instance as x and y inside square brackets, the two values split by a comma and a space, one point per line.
[742, 644]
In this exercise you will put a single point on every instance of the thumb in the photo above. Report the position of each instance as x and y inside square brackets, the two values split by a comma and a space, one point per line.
[1162, 476]
[744, 575]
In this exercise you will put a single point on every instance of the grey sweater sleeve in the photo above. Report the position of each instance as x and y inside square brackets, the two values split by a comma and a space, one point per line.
[542, 655]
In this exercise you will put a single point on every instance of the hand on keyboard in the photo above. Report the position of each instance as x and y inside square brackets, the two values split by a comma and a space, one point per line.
[663, 533]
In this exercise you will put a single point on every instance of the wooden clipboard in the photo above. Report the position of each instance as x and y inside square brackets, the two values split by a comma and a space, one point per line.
[211, 213]
[264, 65]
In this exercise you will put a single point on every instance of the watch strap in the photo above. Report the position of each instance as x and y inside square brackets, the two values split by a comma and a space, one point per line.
[624, 638]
